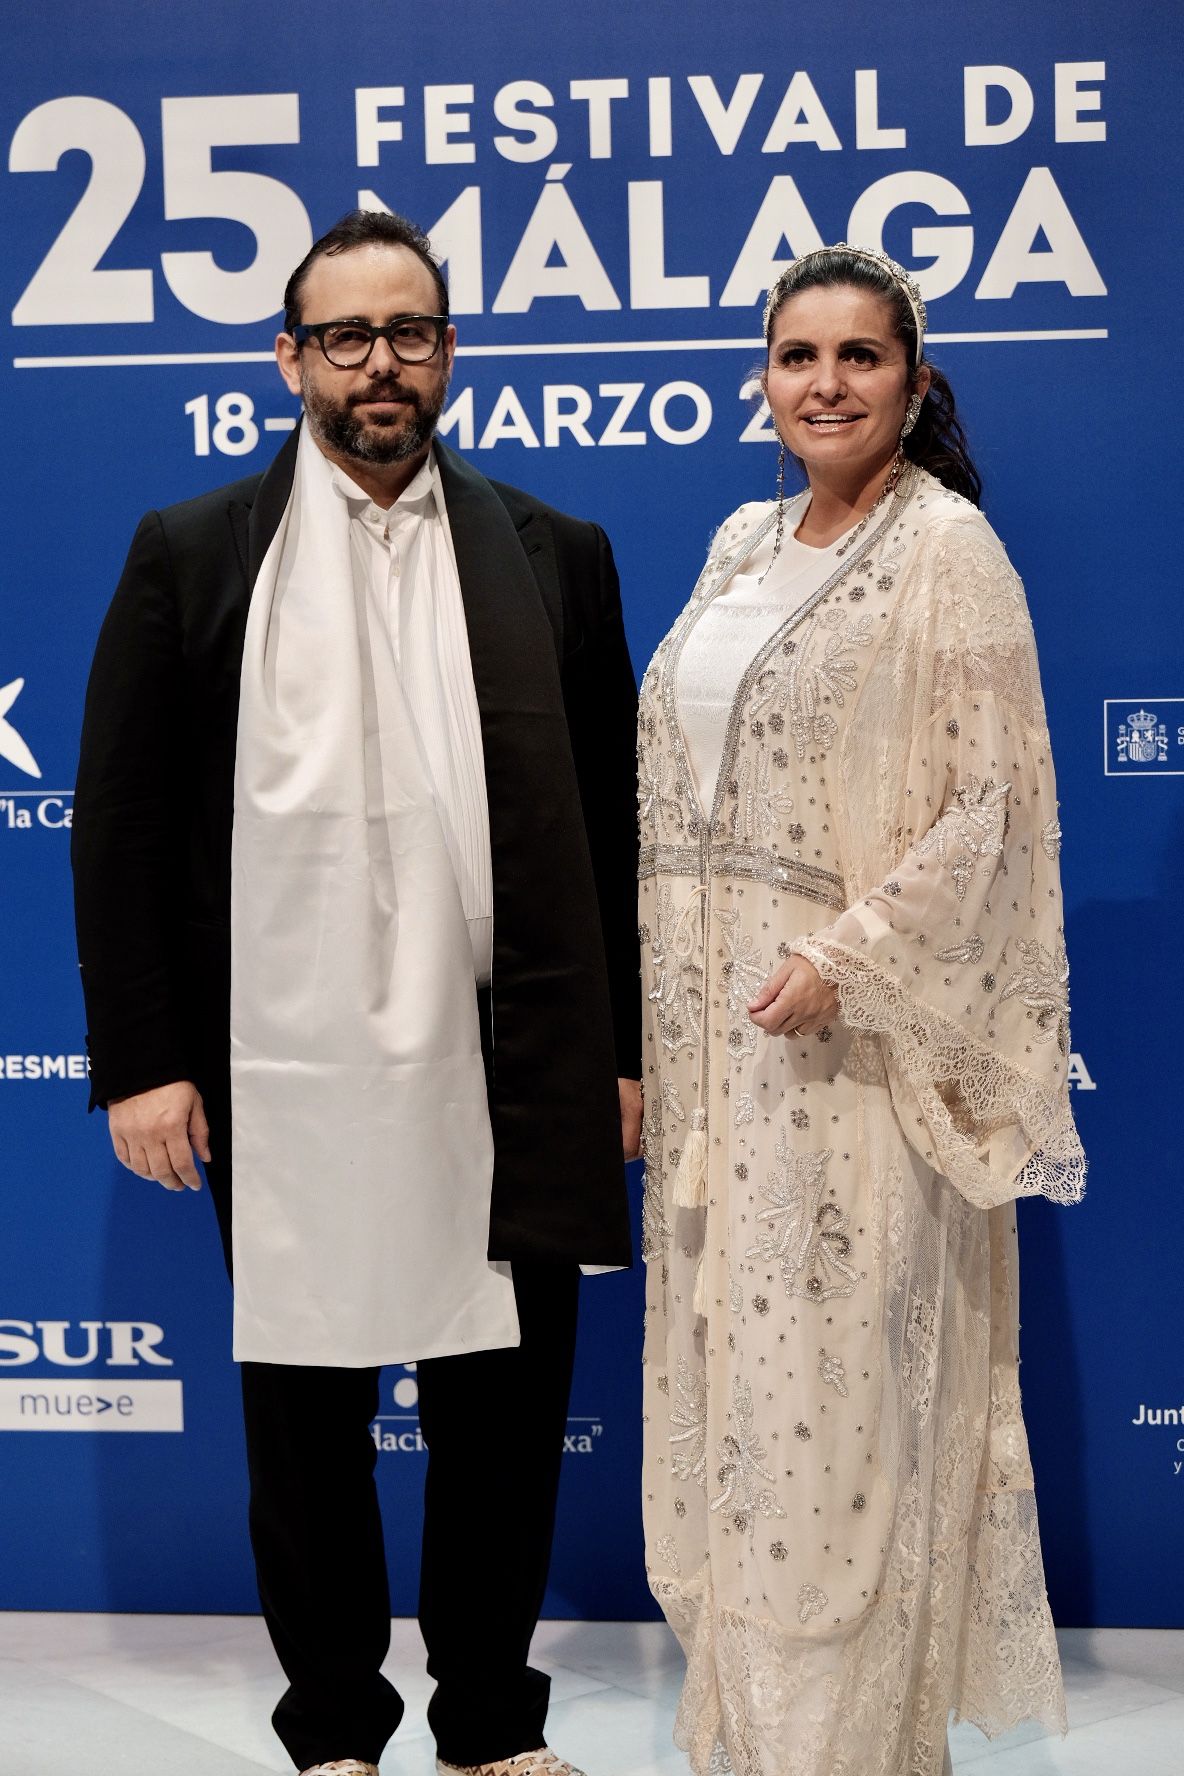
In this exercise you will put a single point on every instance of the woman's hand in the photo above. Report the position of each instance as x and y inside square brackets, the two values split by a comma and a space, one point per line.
[794, 1001]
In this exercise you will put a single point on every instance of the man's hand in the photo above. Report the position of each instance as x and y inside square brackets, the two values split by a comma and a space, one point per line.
[156, 1133]
[794, 1001]
[630, 1093]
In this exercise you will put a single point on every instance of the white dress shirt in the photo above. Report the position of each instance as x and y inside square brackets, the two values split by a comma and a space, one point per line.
[404, 558]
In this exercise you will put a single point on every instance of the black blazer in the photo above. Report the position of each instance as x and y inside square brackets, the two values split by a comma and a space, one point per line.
[153, 814]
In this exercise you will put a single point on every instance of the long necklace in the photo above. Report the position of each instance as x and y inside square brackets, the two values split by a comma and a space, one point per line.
[899, 464]
[888, 489]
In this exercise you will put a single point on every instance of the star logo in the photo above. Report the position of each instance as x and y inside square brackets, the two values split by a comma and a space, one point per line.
[12, 746]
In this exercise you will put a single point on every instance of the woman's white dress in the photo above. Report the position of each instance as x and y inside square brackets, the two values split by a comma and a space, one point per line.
[849, 761]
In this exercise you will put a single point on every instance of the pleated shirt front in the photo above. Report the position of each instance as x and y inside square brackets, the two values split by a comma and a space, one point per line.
[404, 557]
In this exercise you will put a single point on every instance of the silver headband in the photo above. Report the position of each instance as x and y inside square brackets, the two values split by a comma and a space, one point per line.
[790, 276]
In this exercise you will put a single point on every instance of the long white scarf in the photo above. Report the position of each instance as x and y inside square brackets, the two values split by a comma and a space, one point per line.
[362, 1150]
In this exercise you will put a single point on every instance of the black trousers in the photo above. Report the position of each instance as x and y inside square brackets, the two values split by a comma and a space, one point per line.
[494, 1424]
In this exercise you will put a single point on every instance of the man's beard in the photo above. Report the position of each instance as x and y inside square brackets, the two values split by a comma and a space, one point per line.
[390, 438]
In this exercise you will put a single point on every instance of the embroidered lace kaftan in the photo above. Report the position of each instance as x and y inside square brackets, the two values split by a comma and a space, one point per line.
[840, 1521]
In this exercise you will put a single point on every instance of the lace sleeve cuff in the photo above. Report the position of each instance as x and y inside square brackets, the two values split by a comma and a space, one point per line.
[997, 1130]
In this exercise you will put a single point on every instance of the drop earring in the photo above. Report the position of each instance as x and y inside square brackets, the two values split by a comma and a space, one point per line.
[912, 412]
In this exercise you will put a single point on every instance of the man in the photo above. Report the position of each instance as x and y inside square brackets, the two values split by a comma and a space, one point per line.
[355, 875]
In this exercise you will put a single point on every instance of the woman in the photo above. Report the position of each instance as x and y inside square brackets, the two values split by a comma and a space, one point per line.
[856, 1059]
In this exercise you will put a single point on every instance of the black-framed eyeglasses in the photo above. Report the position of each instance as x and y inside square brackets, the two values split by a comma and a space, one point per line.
[414, 339]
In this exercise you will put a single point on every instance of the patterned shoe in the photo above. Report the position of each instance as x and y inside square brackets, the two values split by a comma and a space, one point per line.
[343, 1767]
[542, 1762]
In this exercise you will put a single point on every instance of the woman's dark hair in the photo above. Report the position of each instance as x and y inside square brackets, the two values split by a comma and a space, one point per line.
[363, 228]
[937, 441]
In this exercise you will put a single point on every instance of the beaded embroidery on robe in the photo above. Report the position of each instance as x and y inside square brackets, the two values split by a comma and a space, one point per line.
[839, 1513]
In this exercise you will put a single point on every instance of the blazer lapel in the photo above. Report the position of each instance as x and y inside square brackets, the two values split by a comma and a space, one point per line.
[537, 542]
[503, 599]
[270, 500]
[553, 1055]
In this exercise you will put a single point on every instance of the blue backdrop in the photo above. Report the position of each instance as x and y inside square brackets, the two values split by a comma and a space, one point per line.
[612, 189]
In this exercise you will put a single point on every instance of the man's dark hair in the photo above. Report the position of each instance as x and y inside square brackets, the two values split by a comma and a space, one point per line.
[363, 228]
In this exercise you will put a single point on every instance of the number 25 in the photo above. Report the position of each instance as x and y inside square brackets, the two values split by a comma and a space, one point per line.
[68, 289]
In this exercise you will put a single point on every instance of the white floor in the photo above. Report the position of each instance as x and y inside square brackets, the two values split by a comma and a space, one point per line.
[86, 1695]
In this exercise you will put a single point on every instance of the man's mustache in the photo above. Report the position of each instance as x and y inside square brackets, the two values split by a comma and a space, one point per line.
[385, 391]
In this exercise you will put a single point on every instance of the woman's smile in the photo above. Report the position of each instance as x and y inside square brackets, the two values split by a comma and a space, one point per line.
[822, 422]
